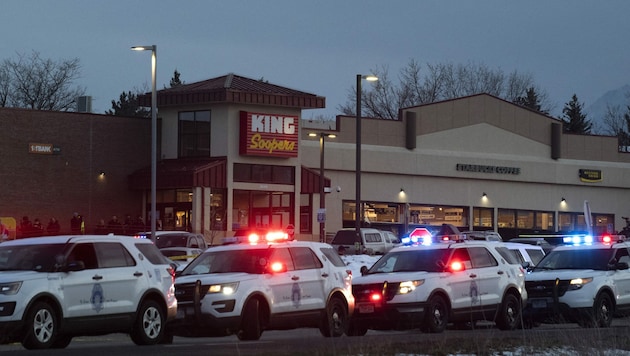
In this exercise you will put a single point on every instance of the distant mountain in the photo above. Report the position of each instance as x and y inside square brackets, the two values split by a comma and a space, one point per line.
[597, 111]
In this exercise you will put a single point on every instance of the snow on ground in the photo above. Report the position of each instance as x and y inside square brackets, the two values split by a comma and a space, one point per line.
[354, 262]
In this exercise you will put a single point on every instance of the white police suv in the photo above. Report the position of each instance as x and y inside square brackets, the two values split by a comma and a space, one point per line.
[429, 286]
[585, 282]
[261, 284]
[55, 288]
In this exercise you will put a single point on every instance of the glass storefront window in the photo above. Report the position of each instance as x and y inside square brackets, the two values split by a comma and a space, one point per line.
[506, 218]
[483, 217]
[525, 219]
[194, 134]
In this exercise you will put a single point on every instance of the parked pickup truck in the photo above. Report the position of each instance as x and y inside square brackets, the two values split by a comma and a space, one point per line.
[372, 241]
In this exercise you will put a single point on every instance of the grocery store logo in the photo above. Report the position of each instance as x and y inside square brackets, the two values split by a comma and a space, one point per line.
[270, 135]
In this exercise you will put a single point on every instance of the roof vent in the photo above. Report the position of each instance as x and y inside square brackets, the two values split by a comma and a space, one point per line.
[84, 104]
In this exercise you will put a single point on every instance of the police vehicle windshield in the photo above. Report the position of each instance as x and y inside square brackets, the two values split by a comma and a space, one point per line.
[595, 259]
[36, 257]
[254, 261]
[421, 260]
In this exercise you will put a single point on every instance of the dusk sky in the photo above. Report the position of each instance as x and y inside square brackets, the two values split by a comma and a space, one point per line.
[569, 47]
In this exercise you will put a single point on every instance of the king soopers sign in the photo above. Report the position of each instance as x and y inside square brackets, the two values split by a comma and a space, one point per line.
[269, 135]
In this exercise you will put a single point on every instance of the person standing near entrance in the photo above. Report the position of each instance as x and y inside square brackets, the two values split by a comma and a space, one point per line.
[4, 232]
[53, 227]
[75, 224]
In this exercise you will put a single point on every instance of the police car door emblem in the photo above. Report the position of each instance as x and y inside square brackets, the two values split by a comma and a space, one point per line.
[474, 292]
[97, 297]
[296, 295]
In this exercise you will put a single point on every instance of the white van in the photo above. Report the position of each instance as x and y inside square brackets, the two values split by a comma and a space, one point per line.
[373, 242]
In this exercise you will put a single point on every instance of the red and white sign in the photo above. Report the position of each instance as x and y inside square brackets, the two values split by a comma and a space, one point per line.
[269, 135]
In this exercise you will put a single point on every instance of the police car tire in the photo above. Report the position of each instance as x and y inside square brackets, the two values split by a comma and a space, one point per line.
[335, 321]
[149, 324]
[251, 328]
[436, 317]
[41, 324]
[602, 313]
[509, 316]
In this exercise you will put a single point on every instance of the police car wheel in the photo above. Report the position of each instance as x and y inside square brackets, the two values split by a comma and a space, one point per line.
[149, 325]
[335, 320]
[251, 328]
[602, 313]
[41, 322]
[509, 317]
[436, 317]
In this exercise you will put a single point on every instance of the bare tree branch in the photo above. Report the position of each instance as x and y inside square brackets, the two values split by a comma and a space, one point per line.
[41, 84]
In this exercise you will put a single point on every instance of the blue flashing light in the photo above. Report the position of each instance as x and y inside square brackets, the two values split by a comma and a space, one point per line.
[578, 239]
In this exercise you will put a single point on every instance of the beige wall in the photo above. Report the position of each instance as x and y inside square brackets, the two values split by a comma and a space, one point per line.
[478, 130]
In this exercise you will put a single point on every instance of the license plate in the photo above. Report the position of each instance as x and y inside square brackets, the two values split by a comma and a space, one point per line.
[183, 312]
[366, 308]
[539, 303]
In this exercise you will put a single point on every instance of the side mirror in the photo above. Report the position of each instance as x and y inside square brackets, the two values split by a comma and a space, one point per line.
[74, 266]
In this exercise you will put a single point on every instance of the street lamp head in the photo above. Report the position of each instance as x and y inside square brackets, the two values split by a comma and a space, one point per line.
[369, 77]
[321, 134]
[143, 48]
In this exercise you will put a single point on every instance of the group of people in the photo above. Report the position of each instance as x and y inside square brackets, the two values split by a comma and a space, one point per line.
[26, 228]
[114, 226]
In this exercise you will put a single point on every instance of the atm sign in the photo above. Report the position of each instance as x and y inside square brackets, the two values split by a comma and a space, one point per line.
[591, 175]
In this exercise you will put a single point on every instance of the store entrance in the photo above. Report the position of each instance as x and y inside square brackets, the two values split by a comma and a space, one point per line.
[262, 209]
[173, 216]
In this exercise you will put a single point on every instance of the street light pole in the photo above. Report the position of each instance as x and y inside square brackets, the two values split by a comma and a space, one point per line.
[322, 193]
[153, 215]
[322, 187]
[357, 204]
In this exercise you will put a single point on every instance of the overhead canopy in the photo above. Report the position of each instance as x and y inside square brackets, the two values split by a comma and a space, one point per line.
[182, 173]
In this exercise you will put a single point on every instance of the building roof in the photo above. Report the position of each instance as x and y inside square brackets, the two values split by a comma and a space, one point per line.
[232, 88]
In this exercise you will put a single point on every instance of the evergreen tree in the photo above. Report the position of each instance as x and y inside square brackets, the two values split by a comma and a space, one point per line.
[175, 81]
[530, 100]
[624, 135]
[574, 120]
[127, 105]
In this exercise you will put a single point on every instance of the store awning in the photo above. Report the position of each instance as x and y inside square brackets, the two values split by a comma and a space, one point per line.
[182, 173]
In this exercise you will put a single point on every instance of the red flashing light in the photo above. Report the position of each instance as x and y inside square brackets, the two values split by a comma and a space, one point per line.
[274, 236]
[277, 267]
[253, 238]
[446, 238]
[457, 266]
[376, 297]
[607, 239]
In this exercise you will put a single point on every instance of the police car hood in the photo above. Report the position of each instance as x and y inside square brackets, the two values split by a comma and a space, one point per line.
[391, 277]
[562, 274]
[13, 276]
[217, 277]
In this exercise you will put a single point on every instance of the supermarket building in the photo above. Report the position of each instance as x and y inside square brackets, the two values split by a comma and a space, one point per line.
[235, 153]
